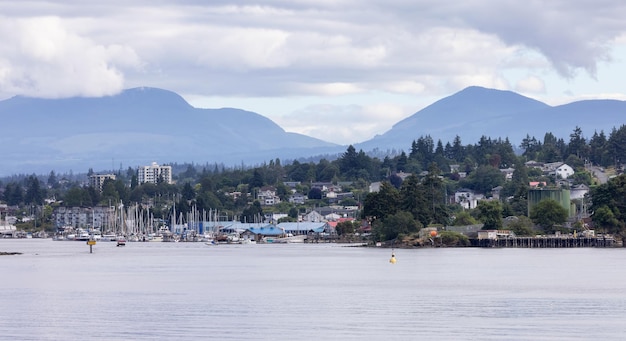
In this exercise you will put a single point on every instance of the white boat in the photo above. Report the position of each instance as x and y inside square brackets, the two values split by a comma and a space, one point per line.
[108, 237]
[247, 241]
[121, 241]
[286, 240]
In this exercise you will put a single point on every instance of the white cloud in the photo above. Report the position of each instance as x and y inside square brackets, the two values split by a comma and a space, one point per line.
[343, 124]
[284, 50]
[531, 84]
[42, 58]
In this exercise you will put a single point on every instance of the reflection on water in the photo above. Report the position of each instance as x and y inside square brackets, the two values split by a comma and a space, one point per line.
[58, 291]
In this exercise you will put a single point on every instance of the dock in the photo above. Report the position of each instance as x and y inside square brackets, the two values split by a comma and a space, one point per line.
[546, 242]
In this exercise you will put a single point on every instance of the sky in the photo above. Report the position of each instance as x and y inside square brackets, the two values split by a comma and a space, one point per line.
[338, 70]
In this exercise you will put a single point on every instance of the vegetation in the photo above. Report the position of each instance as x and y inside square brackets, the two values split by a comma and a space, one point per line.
[403, 205]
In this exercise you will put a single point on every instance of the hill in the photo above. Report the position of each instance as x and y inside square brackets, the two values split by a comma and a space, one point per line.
[136, 127]
[475, 111]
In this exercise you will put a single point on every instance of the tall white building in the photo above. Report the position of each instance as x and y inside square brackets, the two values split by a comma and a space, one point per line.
[153, 172]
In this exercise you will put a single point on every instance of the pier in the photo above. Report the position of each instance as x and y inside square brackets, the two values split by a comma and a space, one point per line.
[546, 242]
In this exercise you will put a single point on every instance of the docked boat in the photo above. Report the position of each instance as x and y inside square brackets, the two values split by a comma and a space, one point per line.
[286, 240]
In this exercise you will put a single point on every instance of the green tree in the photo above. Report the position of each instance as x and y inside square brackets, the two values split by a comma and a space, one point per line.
[345, 227]
[484, 179]
[490, 213]
[392, 226]
[34, 192]
[605, 219]
[464, 218]
[252, 213]
[383, 203]
[609, 205]
[520, 225]
[77, 197]
[548, 213]
[188, 191]
[13, 194]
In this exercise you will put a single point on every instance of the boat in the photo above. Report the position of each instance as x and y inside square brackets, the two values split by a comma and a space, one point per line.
[247, 241]
[121, 241]
[286, 240]
[108, 237]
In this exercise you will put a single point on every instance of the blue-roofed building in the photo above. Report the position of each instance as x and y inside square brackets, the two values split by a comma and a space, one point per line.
[304, 227]
[265, 231]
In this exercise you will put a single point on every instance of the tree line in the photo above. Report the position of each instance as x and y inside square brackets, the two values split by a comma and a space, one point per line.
[424, 198]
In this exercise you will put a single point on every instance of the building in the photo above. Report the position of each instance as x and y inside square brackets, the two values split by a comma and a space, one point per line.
[97, 180]
[562, 196]
[467, 198]
[154, 174]
[100, 217]
[564, 171]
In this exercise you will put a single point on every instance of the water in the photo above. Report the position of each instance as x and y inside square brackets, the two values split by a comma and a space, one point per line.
[191, 291]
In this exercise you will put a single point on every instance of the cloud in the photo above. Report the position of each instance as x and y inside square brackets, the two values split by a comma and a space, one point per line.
[531, 84]
[339, 52]
[343, 124]
[286, 48]
[41, 57]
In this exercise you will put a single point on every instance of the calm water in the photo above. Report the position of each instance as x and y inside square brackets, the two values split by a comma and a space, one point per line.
[186, 291]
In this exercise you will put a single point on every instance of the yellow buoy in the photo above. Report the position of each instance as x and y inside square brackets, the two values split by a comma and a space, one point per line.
[393, 259]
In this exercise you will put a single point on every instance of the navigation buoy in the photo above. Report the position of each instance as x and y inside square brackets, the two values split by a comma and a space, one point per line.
[393, 259]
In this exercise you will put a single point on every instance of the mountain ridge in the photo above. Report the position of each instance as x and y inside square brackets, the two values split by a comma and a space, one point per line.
[476, 111]
[141, 125]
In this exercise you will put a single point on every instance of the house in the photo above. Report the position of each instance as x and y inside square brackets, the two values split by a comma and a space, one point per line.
[374, 187]
[267, 196]
[313, 216]
[508, 173]
[537, 184]
[564, 171]
[403, 175]
[467, 198]
[495, 192]
[297, 198]
[291, 184]
[578, 191]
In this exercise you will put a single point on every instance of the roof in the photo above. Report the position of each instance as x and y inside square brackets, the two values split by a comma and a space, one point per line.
[303, 226]
[267, 230]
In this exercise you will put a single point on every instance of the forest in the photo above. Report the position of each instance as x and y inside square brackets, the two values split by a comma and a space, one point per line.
[401, 207]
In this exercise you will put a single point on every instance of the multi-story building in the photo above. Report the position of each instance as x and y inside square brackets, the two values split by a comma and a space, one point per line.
[96, 180]
[153, 173]
[100, 217]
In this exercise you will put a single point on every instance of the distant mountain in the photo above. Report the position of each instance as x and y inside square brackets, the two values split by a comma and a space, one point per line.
[475, 111]
[136, 127]
[142, 125]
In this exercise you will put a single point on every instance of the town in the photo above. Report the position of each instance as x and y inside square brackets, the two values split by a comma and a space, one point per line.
[475, 195]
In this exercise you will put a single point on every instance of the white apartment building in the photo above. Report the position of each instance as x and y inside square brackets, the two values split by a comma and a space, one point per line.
[97, 180]
[153, 172]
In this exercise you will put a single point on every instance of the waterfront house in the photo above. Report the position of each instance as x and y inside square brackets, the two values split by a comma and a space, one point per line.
[495, 234]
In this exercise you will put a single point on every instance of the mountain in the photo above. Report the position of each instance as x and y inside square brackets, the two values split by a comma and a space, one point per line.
[476, 111]
[134, 128]
[142, 125]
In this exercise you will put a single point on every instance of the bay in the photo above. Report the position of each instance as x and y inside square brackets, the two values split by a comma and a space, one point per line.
[190, 291]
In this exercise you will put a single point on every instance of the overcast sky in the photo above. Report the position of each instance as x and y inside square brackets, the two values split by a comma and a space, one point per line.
[339, 70]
